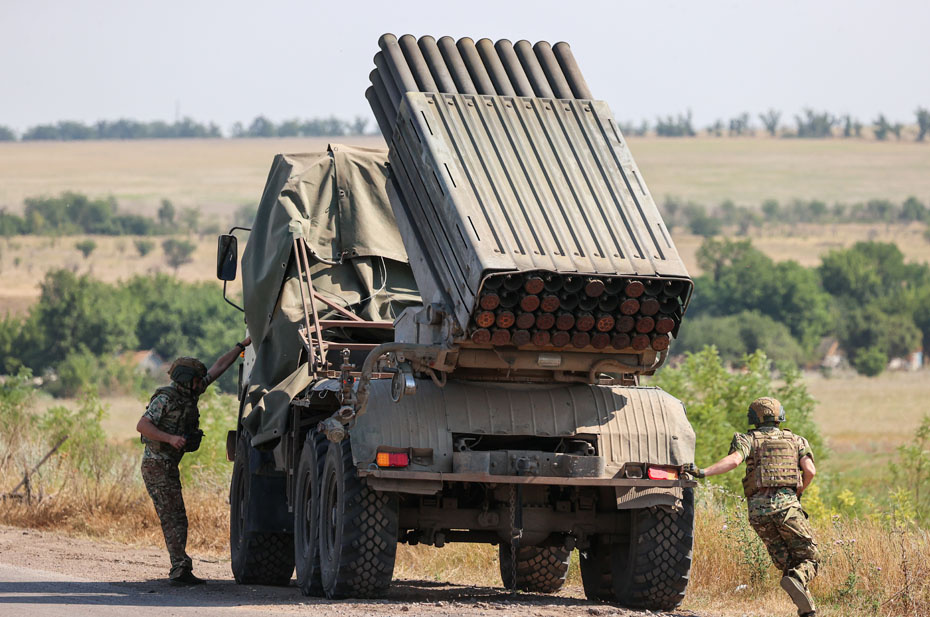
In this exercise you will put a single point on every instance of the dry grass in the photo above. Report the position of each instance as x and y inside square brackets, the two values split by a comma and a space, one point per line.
[869, 415]
[709, 170]
[114, 259]
[212, 175]
[858, 579]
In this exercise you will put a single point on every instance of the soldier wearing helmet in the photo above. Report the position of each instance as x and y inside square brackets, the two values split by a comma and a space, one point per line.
[170, 427]
[779, 467]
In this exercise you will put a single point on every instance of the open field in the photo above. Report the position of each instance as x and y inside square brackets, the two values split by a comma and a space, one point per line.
[219, 175]
[25, 259]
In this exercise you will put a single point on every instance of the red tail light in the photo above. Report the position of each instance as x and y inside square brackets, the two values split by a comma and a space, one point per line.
[393, 459]
[662, 473]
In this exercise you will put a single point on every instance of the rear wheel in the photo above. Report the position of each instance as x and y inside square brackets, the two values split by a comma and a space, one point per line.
[258, 554]
[307, 517]
[650, 571]
[358, 529]
[540, 569]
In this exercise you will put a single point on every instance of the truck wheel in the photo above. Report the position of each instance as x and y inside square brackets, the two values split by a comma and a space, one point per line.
[307, 517]
[258, 557]
[652, 570]
[540, 569]
[358, 529]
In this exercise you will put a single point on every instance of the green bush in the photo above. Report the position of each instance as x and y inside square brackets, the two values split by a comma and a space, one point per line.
[144, 247]
[735, 336]
[86, 445]
[86, 247]
[178, 252]
[870, 361]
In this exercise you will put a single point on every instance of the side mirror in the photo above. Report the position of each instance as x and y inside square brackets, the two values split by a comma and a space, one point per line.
[227, 257]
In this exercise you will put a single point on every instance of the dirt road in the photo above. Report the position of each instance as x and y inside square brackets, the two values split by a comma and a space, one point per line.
[50, 575]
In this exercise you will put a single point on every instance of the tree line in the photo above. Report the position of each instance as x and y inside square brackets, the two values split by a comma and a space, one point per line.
[706, 221]
[69, 130]
[73, 336]
[73, 213]
[866, 296]
[809, 124]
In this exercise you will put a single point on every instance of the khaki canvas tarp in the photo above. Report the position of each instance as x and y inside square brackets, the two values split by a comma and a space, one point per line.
[341, 200]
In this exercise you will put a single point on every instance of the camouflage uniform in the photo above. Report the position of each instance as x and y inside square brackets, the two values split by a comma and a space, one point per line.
[172, 409]
[776, 513]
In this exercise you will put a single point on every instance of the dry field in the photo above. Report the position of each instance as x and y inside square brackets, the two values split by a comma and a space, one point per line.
[25, 259]
[218, 175]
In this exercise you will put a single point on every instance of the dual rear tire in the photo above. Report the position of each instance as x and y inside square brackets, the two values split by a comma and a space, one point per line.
[345, 532]
[652, 569]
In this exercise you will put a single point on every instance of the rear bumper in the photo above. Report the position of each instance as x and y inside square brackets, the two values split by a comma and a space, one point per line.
[488, 478]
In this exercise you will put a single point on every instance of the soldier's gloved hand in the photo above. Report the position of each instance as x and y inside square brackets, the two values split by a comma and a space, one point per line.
[693, 470]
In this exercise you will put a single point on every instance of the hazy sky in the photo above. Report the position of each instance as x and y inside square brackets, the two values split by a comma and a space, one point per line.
[236, 59]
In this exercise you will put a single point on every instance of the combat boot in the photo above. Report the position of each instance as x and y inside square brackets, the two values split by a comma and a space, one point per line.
[185, 579]
[799, 595]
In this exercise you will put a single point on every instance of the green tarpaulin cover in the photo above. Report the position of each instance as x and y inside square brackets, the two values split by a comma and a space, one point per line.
[341, 200]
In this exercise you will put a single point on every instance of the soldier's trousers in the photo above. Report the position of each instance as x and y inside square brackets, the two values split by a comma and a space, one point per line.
[788, 536]
[163, 483]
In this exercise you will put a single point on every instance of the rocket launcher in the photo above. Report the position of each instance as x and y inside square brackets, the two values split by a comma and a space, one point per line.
[527, 223]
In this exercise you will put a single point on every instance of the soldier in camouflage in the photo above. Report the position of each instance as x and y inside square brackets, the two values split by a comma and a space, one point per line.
[170, 427]
[779, 467]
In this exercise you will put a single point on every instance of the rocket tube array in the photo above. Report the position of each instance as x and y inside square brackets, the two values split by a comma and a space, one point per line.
[409, 64]
[548, 309]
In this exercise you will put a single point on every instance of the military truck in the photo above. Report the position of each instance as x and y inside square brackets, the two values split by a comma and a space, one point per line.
[448, 338]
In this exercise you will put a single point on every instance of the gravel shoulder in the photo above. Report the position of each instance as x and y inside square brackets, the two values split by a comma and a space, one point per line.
[53, 575]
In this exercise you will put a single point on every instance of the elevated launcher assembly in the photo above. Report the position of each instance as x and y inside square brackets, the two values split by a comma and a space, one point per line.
[537, 248]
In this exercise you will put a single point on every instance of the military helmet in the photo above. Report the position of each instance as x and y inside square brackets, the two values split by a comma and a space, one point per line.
[185, 369]
[765, 409]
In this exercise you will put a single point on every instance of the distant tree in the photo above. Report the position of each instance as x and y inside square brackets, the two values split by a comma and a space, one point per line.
[815, 124]
[86, 247]
[740, 125]
[923, 123]
[716, 129]
[881, 127]
[166, 213]
[851, 127]
[190, 219]
[896, 129]
[245, 215]
[770, 209]
[289, 128]
[6, 134]
[144, 246]
[357, 127]
[261, 127]
[11, 224]
[913, 210]
[680, 126]
[770, 121]
[178, 252]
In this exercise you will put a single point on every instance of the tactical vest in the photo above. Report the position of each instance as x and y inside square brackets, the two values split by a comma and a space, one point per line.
[772, 462]
[184, 423]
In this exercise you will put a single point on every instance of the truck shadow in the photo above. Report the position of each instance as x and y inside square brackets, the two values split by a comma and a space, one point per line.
[404, 595]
